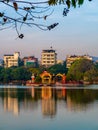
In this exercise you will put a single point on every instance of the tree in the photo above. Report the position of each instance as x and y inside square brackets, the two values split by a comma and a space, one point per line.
[58, 68]
[21, 74]
[5, 75]
[22, 12]
[79, 68]
[91, 75]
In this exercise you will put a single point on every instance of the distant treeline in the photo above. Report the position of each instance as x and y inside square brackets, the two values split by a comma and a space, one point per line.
[80, 70]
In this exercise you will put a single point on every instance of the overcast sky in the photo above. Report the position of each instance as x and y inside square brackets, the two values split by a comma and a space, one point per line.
[76, 34]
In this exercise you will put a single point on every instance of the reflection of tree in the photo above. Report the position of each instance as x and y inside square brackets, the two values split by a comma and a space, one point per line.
[61, 94]
[78, 99]
[17, 99]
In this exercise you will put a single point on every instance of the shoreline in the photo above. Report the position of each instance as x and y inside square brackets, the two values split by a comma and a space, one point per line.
[68, 84]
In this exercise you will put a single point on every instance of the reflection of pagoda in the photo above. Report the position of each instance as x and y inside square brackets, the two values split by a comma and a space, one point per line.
[48, 103]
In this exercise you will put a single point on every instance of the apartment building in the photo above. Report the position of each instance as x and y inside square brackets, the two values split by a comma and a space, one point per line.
[48, 57]
[30, 61]
[71, 58]
[11, 59]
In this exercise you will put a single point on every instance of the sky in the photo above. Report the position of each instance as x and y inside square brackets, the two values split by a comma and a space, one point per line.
[76, 34]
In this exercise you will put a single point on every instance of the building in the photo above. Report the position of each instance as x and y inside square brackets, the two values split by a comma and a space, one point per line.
[71, 58]
[60, 61]
[48, 57]
[11, 60]
[30, 61]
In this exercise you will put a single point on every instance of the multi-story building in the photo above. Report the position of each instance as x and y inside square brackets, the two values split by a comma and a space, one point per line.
[48, 57]
[30, 61]
[71, 58]
[11, 59]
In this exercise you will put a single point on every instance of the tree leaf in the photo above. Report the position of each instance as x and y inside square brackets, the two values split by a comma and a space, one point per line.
[68, 3]
[15, 6]
[1, 14]
[45, 17]
[25, 18]
[4, 19]
[74, 3]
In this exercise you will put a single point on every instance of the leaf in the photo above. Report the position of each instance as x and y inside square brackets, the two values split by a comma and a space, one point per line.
[1, 14]
[7, 1]
[15, 6]
[25, 18]
[32, 7]
[68, 3]
[52, 26]
[21, 36]
[74, 3]
[52, 2]
[65, 11]
[4, 19]
[80, 2]
[27, 8]
[45, 17]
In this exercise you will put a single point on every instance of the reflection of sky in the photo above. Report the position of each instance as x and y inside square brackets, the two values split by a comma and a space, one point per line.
[76, 34]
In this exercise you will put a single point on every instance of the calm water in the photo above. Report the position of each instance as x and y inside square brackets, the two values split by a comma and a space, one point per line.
[61, 108]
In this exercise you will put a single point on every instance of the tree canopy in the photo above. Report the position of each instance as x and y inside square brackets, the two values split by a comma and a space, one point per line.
[81, 68]
[16, 13]
[58, 68]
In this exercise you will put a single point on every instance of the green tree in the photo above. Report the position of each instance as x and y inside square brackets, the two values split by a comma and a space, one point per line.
[58, 68]
[79, 68]
[21, 73]
[91, 75]
[35, 71]
[6, 75]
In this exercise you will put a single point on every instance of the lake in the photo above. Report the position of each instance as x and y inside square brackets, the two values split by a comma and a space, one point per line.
[49, 108]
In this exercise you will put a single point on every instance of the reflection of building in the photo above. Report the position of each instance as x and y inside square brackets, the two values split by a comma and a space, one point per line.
[11, 60]
[48, 107]
[61, 93]
[48, 57]
[11, 103]
[71, 58]
[30, 61]
[48, 103]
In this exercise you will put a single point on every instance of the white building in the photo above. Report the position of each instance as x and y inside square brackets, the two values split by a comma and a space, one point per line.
[71, 58]
[11, 59]
[48, 57]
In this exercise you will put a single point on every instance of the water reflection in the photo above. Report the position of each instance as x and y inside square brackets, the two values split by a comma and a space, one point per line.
[16, 99]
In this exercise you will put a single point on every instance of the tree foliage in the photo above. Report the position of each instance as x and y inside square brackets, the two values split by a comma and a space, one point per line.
[79, 68]
[16, 13]
[14, 74]
[58, 68]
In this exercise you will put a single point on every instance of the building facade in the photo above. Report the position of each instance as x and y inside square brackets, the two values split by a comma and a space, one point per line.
[48, 57]
[30, 61]
[11, 60]
[71, 58]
